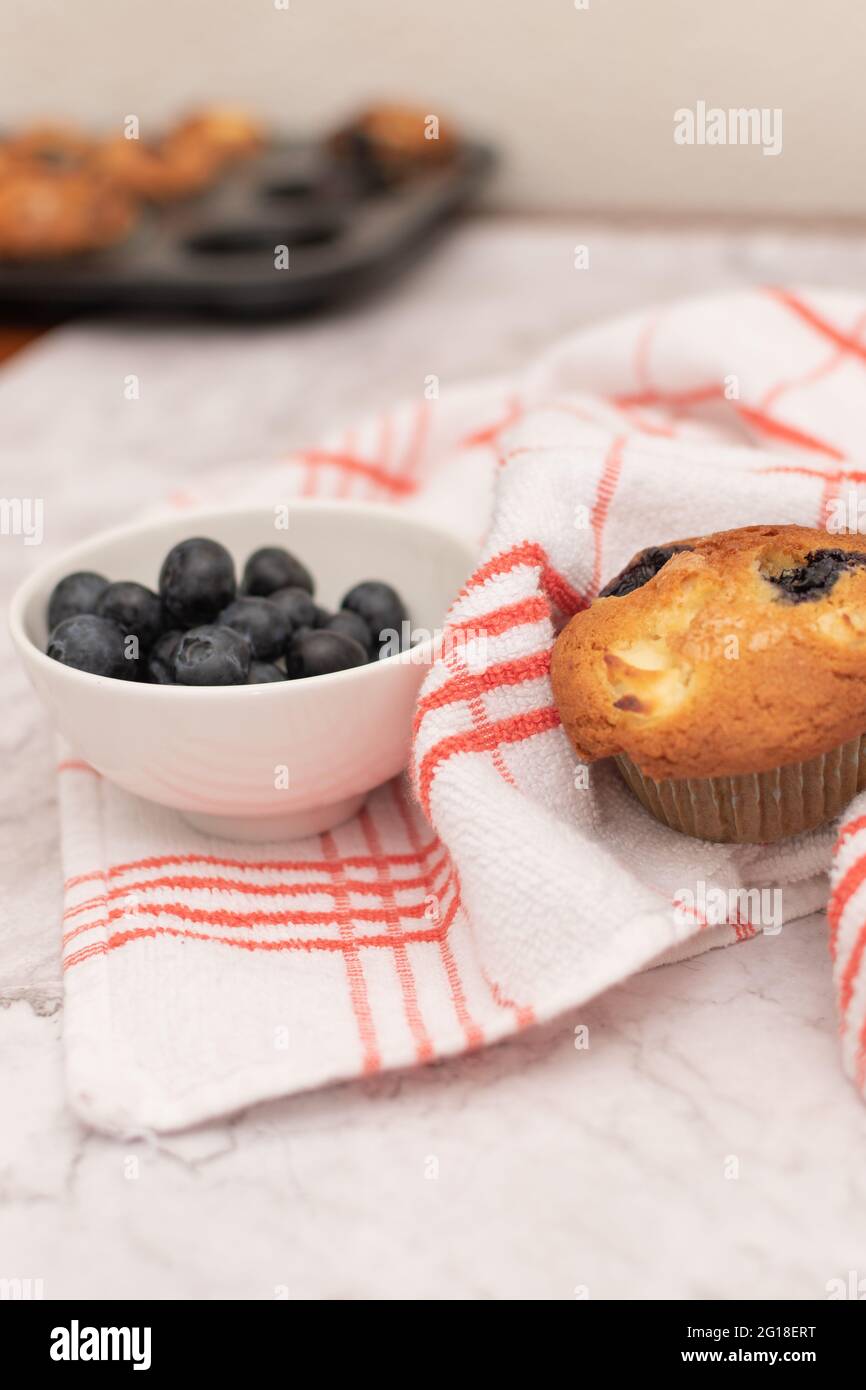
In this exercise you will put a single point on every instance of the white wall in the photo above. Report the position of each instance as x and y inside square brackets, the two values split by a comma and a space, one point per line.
[581, 100]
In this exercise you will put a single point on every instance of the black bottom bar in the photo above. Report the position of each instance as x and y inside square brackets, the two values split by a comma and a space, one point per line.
[152, 1338]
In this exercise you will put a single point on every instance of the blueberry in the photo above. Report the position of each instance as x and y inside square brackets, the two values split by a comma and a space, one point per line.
[90, 643]
[816, 576]
[320, 653]
[160, 661]
[379, 605]
[264, 672]
[639, 571]
[212, 656]
[261, 622]
[76, 593]
[296, 606]
[274, 568]
[196, 582]
[351, 625]
[319, 619]
[136, 610]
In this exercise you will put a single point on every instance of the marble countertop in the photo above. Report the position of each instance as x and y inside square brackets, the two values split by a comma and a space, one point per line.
[706, 1143]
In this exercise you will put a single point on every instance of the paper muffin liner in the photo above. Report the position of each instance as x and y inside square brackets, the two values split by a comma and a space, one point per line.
[757, 807]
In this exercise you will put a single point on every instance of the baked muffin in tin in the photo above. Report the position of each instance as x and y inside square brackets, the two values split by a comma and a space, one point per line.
[54, 146]
[156, 170]
[227, 133]
[48, 212]
[388, 143]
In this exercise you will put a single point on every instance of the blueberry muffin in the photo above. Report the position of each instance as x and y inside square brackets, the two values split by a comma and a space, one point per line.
[158, 170]
[726, 674]
[53, 145]
[48, 212]
[224, 132]
[388, 143]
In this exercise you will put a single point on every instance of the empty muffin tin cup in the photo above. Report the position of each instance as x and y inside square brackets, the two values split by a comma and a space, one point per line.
[757, 807]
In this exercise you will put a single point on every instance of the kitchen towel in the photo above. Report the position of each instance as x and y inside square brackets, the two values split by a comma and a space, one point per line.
[500, 882]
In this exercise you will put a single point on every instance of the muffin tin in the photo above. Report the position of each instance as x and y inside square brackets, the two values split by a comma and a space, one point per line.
[214, 254]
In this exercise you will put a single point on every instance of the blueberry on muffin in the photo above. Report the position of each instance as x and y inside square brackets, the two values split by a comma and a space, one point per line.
[726, 674]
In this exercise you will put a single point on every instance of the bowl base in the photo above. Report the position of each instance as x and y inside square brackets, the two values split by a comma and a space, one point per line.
[293, 826]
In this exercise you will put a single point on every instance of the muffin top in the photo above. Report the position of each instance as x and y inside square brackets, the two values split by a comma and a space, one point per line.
[730, 653]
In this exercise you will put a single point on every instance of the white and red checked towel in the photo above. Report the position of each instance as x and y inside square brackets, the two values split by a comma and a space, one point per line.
[497, 888]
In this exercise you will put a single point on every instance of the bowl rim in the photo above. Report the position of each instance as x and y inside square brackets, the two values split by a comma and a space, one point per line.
[422, 654]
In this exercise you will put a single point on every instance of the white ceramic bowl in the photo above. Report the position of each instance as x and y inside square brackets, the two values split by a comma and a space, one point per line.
[222, 755]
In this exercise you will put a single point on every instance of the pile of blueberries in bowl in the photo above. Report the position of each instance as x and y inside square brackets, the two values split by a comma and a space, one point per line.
[202, 628]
